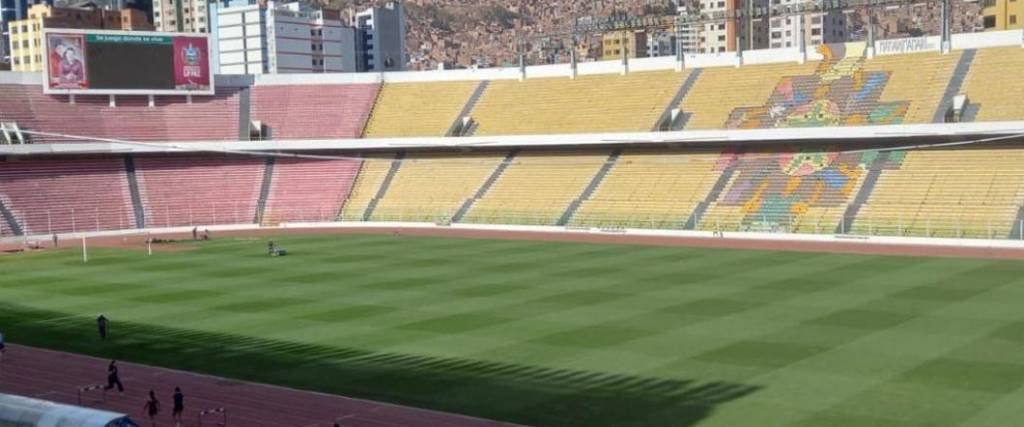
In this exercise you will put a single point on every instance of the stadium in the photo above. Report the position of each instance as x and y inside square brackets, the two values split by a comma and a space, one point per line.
[781, 237]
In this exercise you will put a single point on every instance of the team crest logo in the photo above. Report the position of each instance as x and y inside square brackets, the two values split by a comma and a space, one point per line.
[190, 54]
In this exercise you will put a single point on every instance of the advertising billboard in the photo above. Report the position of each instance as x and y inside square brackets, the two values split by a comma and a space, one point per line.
[127, 63]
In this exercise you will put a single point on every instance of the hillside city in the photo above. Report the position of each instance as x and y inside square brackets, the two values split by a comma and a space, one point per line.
[432, 34]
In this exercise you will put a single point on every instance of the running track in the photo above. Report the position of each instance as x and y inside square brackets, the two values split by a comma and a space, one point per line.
[55, 376]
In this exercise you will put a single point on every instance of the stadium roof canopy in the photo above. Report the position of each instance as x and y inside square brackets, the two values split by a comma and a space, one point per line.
[17, 411]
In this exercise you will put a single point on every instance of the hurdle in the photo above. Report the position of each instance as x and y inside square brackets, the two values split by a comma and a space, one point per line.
[92, 387]
[210, 412]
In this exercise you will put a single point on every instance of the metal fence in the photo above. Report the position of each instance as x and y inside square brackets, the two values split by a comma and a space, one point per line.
[61, 220]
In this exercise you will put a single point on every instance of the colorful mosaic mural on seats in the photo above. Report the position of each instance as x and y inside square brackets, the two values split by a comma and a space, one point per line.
[839, 93]
[793, 190]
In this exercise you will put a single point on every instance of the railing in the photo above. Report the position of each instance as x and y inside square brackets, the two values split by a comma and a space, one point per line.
[88, 220]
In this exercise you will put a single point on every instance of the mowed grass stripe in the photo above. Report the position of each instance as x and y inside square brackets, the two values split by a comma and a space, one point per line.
[554, 333]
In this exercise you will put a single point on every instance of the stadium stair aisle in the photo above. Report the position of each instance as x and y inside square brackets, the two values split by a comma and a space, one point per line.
[537, 187]
[309, 189]
[11, 227]
[432, 187]
[587, 104]
[918, 78]
[591, 187]
[947, 193]
[133, 188]
[418, 109]
[650, 189]
[313, 111]
[268, 180]
[372, 172]
[984, 85]
[66, 195]
[486, 186]
[191, 190]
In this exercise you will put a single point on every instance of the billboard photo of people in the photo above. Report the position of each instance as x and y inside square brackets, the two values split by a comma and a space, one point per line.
[66, 61]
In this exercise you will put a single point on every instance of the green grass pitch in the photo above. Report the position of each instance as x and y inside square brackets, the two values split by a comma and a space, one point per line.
[560, 334]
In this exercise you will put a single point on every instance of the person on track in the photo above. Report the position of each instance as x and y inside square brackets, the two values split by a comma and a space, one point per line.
[113, 379]
[3, 347]
[152, 407]
[179, 406]
[101, 324]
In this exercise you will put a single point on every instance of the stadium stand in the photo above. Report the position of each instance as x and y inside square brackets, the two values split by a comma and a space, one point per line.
[308, 190]
[372, 172]
[199, 190]
[995, 101]
[719, 90]
[418, 109]
[61, 195]
[313, 111]
[650, 189]
[172, 118]
[592, 103]
[794, 190]
[947, 193]
[918, 79]
[433, 187]
[537, 187]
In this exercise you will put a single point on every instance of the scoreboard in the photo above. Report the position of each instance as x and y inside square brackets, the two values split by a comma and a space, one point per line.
[126, 63]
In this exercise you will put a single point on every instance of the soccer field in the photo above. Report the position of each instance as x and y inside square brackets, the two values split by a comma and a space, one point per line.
[559, 334]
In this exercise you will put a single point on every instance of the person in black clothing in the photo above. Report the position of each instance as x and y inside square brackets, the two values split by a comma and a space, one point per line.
[195, 233]
[152, 407]
[101, 324]
[179, 406]
[113, 379]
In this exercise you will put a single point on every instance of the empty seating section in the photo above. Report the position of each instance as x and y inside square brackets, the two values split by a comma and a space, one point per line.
[803, 191]
[987, 86]
[195, 190]
[432, 187]
[537, 187]
[66, 195]
[313, 111]
[172, 117]
[719, 90]
[596, 103]
[308, 190]
[372, 172]
[650, 189]
[418, 109]
[947, 193]
[919, 79]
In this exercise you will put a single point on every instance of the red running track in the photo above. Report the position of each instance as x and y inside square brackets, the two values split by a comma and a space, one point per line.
[56, 376]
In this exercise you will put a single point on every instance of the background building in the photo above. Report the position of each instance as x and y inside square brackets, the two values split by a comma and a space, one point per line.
[10, 10]
[285, 38]
[634, 42]
[661, 43]
[818, 28]
[188, 16]
[723, 35]
[1002, 14]
[26, 39]
[295, 37]
[380, 38]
